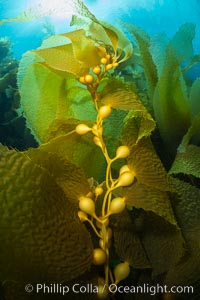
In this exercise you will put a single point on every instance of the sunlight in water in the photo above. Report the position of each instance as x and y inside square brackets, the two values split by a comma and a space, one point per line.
[57, 9]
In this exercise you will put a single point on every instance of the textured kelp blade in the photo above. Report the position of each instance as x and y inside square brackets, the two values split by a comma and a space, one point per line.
[84, 49]
[146, 164]
[187, 272]
[112, 131]
[41, 237]
[158, 48]
[187, 209]
[80, 150]
[78, 102]
[119, 40]
[28, 58]
[194, 98]
[53, 98]
[105, 34]
[69, 177]
[192, 134]
[94, 30]
[31, 57]
[150, 199]
[44, 101]
[122, 99]
[82, 10]
[163, 243]
[63, 126]
[137, 124]
[170, 103]
[120, 95]
[143, 41]
[187, 162]
[127, 243]
[55, 41]
[113, 36]
[62, 58]
[182, 42]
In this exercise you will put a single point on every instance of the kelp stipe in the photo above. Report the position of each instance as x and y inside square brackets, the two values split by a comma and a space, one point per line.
[110, 205]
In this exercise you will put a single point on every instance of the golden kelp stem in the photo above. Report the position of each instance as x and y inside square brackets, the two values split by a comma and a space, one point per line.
[110, 205]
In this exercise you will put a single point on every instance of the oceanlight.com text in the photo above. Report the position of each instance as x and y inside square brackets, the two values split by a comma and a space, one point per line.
[62, 289]
[151, 289]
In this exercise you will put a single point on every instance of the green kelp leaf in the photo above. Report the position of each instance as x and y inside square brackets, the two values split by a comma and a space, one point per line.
[76, 57]
[163, 243]
[31, 57]
[105, 34]
[127, 243]
[111, 32]
[122, 99]
[158, 47]
[41, 236]
[193, 61]
[187, 209]
[187, 162]
[53, 98]
[119, 41]
[120, 95]
[138, 124]
[40, 106]
[82, 10]
[182, 42]
[28, 58]
[192, 134]
[150, 199]
[64, 126]
[45, 100]
[93, 29]
[171, 107]
[68, 176]
[187, 271]
[108, 84]
[84, 49]
[112, 131]
[147, 166]
[79, 102]
[194, 98]
[79, 150]
[62, 58]
[143, 41]
[54, 41]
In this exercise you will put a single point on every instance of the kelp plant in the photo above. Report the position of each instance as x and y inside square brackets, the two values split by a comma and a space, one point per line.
[94, 199]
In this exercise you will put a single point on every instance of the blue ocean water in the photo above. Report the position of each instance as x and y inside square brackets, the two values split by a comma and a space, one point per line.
[154, 16]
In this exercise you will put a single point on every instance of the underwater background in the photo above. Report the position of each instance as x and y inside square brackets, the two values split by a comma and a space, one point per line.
[99, 147]
[53, 17]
